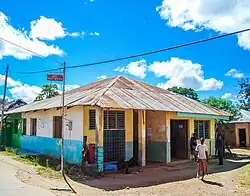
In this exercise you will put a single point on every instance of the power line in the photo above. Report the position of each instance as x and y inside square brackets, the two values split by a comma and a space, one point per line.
[31, 51]
[142, 54]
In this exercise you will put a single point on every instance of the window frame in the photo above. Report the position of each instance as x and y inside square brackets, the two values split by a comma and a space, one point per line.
[201, 129]
[33, 126]
[24, 126]
[92, 119]
[57, 133]
[106, 125]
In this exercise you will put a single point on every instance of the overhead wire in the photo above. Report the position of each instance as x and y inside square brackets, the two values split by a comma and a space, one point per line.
[29, 50]
[140, 54]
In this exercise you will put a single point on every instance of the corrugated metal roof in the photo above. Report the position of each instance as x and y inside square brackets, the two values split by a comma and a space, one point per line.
[244, 117]
[126, 93]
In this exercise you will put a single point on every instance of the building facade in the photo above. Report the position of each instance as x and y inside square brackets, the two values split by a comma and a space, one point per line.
[119, 122]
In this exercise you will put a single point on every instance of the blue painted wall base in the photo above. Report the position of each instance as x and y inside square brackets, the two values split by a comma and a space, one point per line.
[52, 147]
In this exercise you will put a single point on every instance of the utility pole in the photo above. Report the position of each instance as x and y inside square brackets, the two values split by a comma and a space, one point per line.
[63, 116]
[3, 104]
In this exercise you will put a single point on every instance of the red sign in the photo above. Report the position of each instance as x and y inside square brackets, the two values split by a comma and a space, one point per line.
[54, 77]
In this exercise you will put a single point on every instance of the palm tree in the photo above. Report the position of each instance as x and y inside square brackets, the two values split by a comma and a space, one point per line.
[49, 90]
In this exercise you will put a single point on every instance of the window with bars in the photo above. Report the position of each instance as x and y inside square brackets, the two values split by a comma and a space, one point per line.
[202, 129]
[57, 126]
[113, 120]
[33, 126]
[92, 119]
[24, 126]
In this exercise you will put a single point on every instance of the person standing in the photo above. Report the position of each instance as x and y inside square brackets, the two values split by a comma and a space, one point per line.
[193, 144]
[85, 154]
[219, 146]
[202, 163]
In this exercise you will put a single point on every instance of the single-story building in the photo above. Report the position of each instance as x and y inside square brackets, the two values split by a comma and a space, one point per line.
[237, 132]
[122, 118]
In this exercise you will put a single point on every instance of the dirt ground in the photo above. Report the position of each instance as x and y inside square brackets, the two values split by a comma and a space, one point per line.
[175, 179]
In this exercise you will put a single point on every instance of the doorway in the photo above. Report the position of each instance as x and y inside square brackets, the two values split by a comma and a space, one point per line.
[242, 137]
[135, 135]
[179, 139]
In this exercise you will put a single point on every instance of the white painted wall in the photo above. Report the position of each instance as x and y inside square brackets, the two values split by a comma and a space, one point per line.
[45, 122]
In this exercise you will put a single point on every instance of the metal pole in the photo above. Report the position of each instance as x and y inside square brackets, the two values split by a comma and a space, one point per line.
[63, 120]
[3, 104]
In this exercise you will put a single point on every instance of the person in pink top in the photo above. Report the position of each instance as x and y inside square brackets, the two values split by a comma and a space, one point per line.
[202, 164]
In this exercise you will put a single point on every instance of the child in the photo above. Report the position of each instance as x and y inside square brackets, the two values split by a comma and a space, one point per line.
[202, 164]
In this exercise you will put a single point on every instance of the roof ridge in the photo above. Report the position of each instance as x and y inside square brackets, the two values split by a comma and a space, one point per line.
[107, 88]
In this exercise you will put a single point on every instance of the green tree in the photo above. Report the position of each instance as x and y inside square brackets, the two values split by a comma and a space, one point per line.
[48, 91]
[244, 94]
[222, 104]
[187, 92]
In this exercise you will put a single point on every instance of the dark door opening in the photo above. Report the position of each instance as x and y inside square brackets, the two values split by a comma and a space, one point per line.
[179, 139]
[135, 135]
[242, 137]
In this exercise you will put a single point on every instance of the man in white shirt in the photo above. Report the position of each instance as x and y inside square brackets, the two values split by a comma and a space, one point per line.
[202, 158]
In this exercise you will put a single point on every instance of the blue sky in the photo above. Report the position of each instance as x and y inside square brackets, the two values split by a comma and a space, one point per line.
[85, 31]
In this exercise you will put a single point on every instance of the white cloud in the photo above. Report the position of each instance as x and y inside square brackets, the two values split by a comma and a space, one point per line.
[227, 96]
[25, 92]
[21, 37]
[184, 73]
[102, 77]
[234, 73]
[137, 68]
[94, 34]
[223, 16]
[20, 91]
[50, 29]
[10, 81]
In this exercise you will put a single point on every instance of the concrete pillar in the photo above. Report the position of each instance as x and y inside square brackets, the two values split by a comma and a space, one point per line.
[168, 138]
[99, 139]
[212, 137]
[129, 134]
[142, 137]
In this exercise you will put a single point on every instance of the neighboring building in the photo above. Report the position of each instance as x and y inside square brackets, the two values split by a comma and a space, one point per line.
[124, 118]
[237, 132]
[13, 123]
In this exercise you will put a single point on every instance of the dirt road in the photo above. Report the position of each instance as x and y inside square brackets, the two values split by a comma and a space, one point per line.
[164, 180]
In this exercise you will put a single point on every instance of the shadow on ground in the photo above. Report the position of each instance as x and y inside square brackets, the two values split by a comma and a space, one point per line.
[160, 173]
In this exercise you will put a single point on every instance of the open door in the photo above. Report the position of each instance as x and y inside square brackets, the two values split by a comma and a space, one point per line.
[179, 139]
[242, 137]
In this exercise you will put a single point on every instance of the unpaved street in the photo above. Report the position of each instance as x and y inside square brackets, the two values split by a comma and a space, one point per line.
[163, 180]
[10, 185]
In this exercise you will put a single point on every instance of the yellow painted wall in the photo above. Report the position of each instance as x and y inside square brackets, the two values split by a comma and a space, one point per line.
[86, 131]
[91, 133]
[129, 125]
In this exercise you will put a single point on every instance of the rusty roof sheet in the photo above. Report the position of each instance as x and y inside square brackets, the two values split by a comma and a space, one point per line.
[126, 93]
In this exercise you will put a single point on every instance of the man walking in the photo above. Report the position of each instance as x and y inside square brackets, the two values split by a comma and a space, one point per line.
[202, 163]
[219, 145]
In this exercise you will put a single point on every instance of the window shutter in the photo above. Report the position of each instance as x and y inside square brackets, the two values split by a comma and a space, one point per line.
[92, 120]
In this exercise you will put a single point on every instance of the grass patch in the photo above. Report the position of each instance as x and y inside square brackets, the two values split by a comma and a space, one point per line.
[48, 172]
[42, 163]
[244, 176]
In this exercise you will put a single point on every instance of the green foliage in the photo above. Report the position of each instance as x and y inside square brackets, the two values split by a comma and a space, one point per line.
[222, 104]
[187, 92]
[49, 90]
[244, 94]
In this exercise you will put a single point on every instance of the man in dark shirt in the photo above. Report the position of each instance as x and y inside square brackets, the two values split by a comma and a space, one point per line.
[219, 145]
[193, 144]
